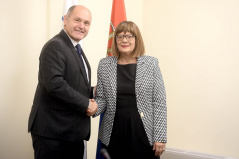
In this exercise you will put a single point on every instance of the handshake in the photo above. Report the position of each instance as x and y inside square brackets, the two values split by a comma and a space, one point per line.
[92, 109]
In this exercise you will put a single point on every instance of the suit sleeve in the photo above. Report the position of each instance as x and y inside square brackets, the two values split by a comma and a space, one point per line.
[53, 64]
[159, 105]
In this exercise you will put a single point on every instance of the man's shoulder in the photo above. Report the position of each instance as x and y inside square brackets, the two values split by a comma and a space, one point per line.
[56, 41]
[58, 38]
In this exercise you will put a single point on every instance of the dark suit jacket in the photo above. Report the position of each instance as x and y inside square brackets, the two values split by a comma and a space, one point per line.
[62, 94]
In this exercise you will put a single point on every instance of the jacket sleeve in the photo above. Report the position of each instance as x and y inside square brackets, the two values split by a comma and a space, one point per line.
[53, 64]
[159, 105]
[100, 93]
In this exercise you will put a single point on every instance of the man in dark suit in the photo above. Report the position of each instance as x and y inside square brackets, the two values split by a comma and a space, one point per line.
[59, 120]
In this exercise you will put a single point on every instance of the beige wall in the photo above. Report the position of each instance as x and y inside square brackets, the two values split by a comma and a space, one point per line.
[23, 32]
[195, 41]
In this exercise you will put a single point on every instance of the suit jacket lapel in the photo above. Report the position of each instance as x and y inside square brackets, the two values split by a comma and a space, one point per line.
[112, 70]
[74, 51]
[113, 74]
[81, 64]
[88, 66]
[140, 72]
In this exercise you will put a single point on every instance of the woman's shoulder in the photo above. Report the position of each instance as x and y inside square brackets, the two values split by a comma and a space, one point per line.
[148, 59]
[108, 60]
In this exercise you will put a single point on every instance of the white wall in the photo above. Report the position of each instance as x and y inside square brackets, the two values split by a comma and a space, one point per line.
[195, 41]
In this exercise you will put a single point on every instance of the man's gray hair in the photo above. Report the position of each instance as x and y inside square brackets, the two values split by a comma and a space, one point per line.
[70, 10]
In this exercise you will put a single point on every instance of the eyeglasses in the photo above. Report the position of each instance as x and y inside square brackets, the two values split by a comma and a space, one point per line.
[121, 37]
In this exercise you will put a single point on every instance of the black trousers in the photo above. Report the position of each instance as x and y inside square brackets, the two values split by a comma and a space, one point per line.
[47, 148]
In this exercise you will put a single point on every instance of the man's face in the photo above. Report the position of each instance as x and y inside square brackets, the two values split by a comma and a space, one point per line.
[77, 25]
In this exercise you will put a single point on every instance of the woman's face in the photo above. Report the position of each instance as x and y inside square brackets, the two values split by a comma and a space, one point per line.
[125, 43]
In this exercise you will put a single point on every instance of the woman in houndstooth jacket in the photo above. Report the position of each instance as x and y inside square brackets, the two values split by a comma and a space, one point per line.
[131, 93]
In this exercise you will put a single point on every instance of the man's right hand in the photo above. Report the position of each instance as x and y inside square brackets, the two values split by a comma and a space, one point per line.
[92, 109]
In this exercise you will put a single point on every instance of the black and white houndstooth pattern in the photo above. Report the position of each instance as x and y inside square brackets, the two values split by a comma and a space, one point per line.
[150, 96]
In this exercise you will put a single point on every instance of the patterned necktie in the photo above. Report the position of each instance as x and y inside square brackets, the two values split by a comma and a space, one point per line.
[78, 47]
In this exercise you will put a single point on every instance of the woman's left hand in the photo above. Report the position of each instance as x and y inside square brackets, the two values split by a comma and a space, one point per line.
[159, 148]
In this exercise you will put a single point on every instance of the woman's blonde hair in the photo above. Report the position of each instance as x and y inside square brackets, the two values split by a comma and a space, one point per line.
[128, 26]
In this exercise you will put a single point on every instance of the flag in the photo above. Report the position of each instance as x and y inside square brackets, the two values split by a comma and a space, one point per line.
[67, 4]
[118, 14]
